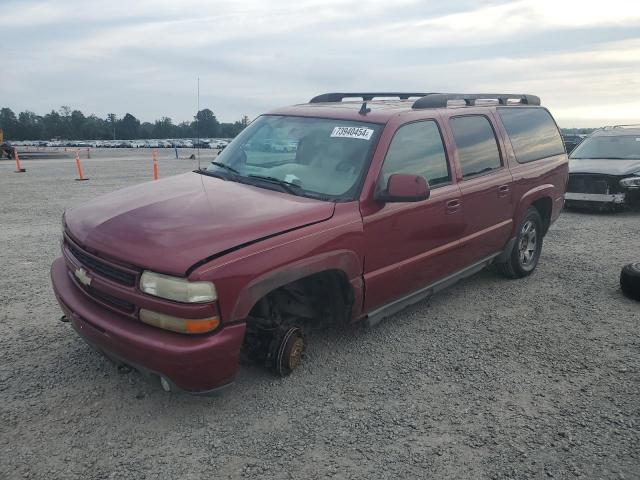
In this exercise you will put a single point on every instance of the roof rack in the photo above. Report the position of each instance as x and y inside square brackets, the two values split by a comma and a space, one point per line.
[338, 97]
[440, 100]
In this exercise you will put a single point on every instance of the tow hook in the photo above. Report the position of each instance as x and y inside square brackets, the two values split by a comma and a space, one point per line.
[64, 319]
[123, 369]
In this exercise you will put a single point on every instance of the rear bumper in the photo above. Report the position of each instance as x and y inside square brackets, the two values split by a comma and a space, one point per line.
[192, 363]
[617, 198]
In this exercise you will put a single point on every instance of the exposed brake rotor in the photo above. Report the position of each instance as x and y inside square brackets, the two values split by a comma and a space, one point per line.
[289, 348]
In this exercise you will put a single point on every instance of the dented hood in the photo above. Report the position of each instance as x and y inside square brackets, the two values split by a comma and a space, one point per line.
[171, 224]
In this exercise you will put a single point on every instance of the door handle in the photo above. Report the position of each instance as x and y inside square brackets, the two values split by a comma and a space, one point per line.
[453, 205]
[503, 190]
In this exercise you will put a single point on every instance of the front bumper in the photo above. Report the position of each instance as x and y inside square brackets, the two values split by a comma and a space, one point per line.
[615, 198]
[195, 364]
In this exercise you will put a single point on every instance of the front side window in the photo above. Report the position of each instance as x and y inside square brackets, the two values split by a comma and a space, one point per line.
[417, 149]
[314, 157]
[532, 131]
[619, 147]
[476, 144]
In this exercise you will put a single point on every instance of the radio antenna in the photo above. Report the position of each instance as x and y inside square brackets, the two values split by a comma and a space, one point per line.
[198, 123]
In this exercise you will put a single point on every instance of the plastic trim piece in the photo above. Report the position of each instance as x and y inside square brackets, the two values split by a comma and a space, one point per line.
[440, 100]
[338, 97]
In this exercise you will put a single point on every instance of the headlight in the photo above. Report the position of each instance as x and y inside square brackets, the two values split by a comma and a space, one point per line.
[176, 324]
[178, 289]
[631, 182]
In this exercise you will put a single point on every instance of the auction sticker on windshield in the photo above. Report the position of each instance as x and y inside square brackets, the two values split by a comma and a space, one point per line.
[352, 132]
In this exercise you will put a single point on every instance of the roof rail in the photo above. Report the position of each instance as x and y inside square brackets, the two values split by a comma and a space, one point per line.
[627, 125]
[440, 100]
[338, 97]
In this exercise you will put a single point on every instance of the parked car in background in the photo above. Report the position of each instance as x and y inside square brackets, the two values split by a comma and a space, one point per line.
[572, 140]
[218, 144]
[182, 143]
[6, 149]
[604, 170]
[201, 143]
[173, 277]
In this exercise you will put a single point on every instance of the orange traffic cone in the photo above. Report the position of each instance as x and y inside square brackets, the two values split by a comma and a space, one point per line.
[19, 168]
[156, 175]
[81, 176]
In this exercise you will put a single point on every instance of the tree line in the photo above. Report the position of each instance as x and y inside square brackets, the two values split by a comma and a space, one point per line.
[70, 124]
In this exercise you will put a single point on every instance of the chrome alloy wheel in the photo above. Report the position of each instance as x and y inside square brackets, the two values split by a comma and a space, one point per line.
[528, 243]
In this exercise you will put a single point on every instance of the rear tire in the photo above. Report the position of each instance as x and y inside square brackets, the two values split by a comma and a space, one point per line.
[525, 254]
[630, 280]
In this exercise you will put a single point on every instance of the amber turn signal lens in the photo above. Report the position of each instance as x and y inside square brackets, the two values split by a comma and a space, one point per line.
[180, 325]
[202, 326]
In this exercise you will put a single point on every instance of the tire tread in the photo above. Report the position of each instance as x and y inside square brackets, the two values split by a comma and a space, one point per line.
[630, 281]
[509, 269]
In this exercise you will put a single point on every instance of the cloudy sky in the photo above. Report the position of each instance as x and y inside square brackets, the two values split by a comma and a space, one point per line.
[143, 56]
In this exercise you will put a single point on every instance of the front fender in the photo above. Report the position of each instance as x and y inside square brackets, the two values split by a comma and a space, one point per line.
[246, 275]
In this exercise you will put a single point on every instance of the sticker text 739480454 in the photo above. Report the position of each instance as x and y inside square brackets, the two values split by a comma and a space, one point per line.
[352, 132]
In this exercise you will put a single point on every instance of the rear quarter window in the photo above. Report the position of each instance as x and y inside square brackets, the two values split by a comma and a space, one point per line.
[533, 133]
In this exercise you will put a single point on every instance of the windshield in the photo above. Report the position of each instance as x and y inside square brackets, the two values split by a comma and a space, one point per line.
[621, 147]
[313, 157]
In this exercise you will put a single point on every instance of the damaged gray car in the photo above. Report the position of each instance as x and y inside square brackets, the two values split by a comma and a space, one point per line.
[604, 170]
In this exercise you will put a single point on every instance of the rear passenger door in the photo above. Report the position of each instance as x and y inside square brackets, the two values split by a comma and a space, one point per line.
[485, 184]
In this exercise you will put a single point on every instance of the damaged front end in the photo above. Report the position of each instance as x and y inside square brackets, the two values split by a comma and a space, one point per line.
[613, 192]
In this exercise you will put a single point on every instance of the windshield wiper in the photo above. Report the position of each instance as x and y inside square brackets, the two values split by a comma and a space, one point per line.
[226, 167]
[287, 186]
[597, 158]
[202, 171]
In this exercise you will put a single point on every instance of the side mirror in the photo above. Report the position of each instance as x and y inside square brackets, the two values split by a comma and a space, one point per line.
[402, 187]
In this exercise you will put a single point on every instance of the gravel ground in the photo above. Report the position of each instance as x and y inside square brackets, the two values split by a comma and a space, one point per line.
[533, 378]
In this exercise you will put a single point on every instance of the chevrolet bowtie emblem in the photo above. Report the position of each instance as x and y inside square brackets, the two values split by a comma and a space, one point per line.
[82, 276]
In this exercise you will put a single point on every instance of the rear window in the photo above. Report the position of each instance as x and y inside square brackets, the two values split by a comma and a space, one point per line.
[533, 133]
[477, 145]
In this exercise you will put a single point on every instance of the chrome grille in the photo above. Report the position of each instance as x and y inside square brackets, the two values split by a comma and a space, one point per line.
[104, 269]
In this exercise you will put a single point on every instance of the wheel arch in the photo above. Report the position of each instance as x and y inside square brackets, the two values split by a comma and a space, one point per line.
[541, 198]
[344, 266]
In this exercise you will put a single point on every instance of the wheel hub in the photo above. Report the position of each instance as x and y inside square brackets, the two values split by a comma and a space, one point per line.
[528, 243]
[295, 354]
[289, 351]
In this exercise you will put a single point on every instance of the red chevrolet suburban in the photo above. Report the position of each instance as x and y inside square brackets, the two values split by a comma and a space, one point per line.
[347, 208]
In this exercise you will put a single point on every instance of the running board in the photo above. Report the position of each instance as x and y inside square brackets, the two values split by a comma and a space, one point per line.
[396, 306]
